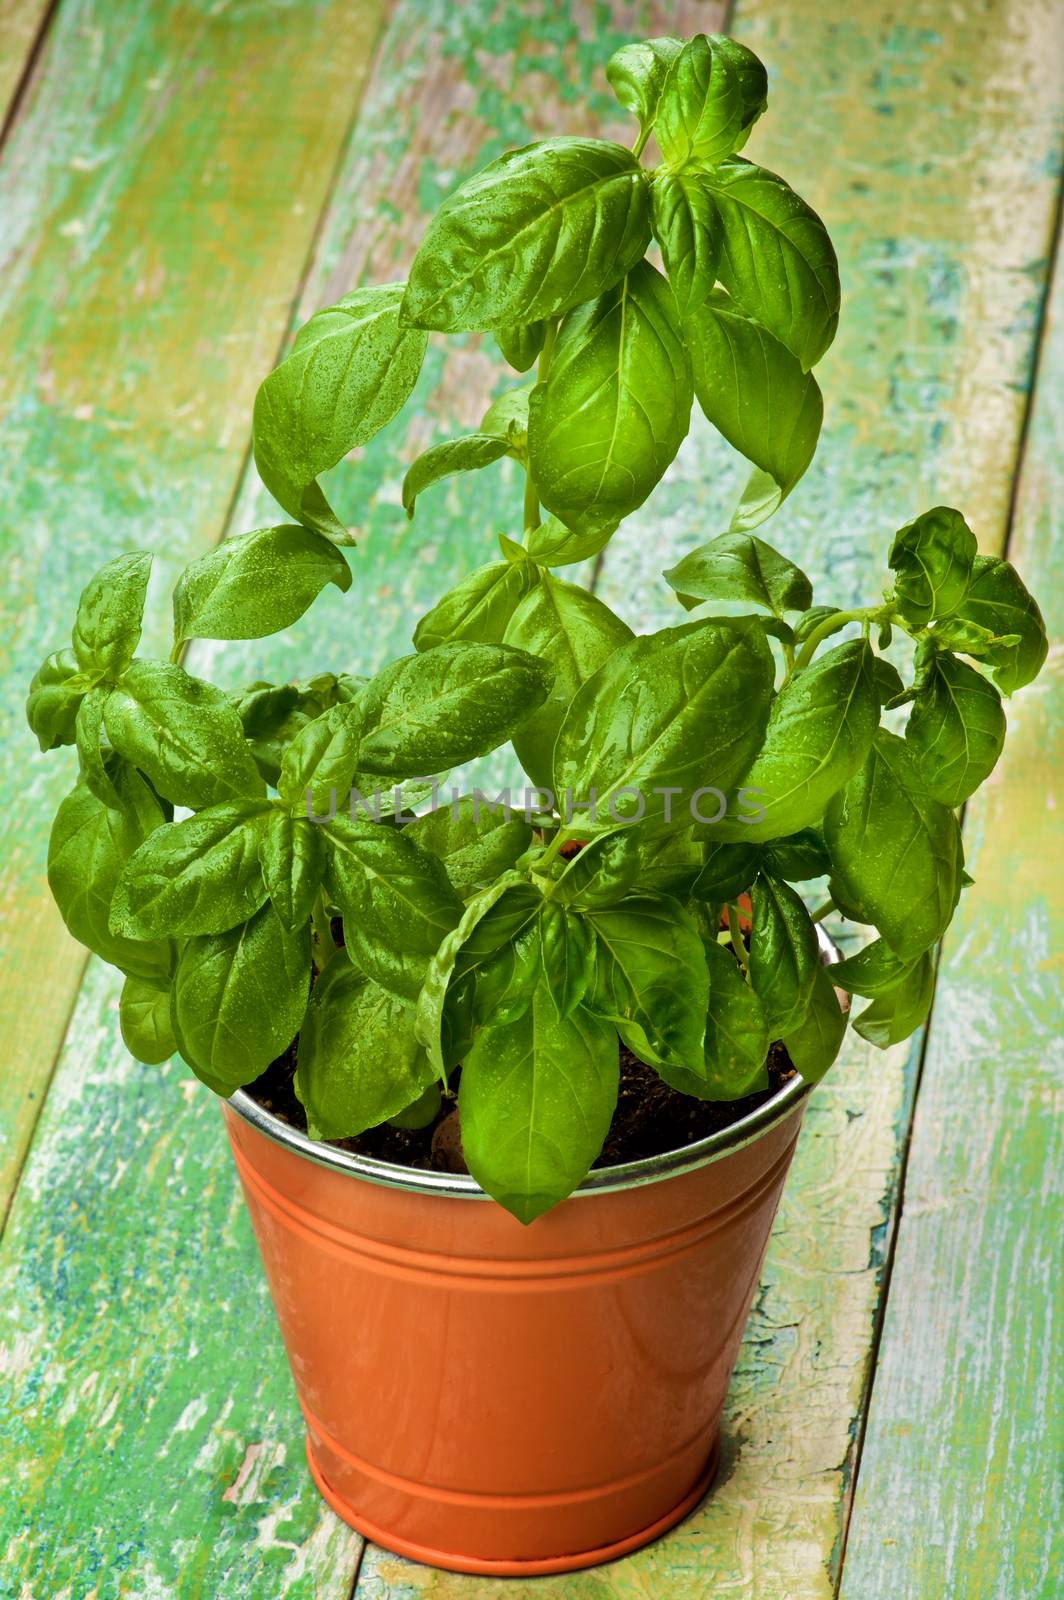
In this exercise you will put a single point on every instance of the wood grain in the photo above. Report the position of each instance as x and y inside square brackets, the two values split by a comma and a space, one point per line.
[158, 198]
[958, 1491]
[21, 22]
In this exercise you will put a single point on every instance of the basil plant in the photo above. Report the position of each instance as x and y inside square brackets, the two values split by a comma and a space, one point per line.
[213, 839]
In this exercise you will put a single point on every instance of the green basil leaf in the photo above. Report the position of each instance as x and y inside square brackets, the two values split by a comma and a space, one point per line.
[688, 228]
[932, 559]
[521, 344]
[536, 232]
[255, 583]
[814, 1045]
[889, 683]
[427, 713]
[667, 714]
[183, 733]
[603, 871]
[197, 876]
[359, 1062]
[616, 404]
[272, 714]
[422, 1112]
[293, 865]
[553, 544]
[702, 111]
[110, 612]
[573, 631]
[318, 767]
[57, 689]
[820, 730]
[651, 983]
[777, 261]
[894, 1016]
[90, 844]
[737, 1037]
[507, 416]
[535, 1099]
[636, 73]
[784, 957]
[997, 599]
[239, 998]
[755, 392]
[967, 638]
[727, 871]
[669, 863]
[506, 980]
[144, 1018]
[396, 901]
[956, 730]
[810, 620]
[871, 972]
[739, 566]
[474, 843]
[896, 853]
[349, 371]
[800, 856]
[93, 759]
[479, 607]
[753, 80]
[442, 460]
[493, 917]
[568, 944]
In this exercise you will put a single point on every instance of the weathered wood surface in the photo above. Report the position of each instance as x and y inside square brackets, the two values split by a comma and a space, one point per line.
[156, 212]
[959, 1484]
[137, 1344]
[21, 22]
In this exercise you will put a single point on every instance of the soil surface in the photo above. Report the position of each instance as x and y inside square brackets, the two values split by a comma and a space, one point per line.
[650, 1118]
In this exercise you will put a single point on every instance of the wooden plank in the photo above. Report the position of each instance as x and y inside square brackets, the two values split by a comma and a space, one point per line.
[158, 1449]
[958, 1491]
[158, 197]
[944, 225]
[21, 22]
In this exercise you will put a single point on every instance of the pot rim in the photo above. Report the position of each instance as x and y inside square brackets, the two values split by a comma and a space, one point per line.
[600, 1180]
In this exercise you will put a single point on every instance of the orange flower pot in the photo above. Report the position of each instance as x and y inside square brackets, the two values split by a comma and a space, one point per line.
[503, 1399]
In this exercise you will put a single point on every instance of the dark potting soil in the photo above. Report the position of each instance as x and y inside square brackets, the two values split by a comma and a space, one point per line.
[649, 1120]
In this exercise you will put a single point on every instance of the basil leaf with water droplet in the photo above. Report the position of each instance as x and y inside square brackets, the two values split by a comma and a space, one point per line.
[468, 454]
[479, 608]
[254, 584]
[956, 730]
[756, 393]
[292, 852]
[395, 898]
[814, 1045]
[895, 852]
[688, 228]
[682, 709]
[932, 559]
[183, 733]
[56, 691]
[198, 876]
[737, 1036]
[239, 998]
[359, 1061]
[110, 612]
[538, 231]
[739, 566]
[616, 404]
[637, 72]
[575, 632]
[893, 1016]
[777, 260]
[89, 846]
[820, 730]
[144, 1018]
[536, 1098]
[474, 841]
[998, 600]
[350, 369]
